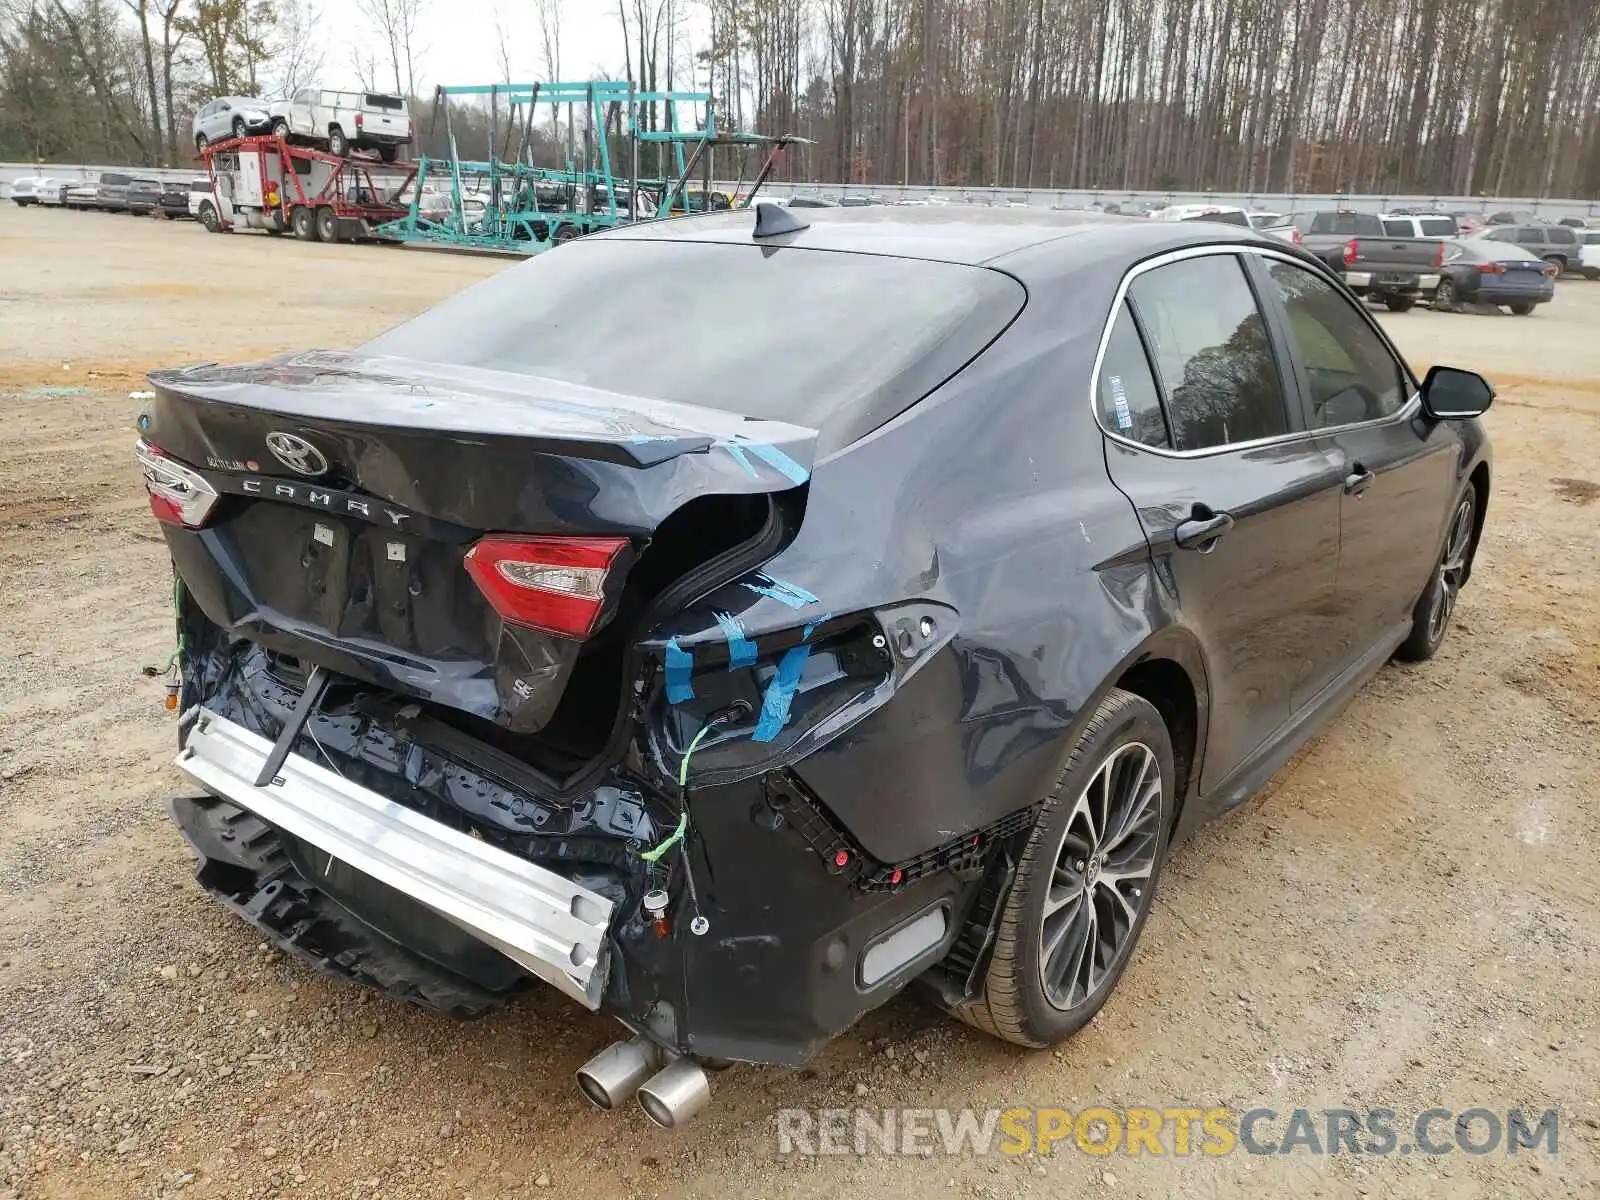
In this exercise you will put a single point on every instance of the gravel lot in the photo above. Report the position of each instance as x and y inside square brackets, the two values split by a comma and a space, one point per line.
[1405, 918]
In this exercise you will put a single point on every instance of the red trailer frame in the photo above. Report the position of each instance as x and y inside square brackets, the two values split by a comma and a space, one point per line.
[345, 208]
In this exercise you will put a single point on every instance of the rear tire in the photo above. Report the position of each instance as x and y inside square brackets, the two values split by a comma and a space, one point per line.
[1399, 303]
[304, 223]
[327, 225]
[1085, 881]
[280, 128]
[1430, 618]
[1521, 310]
[1445, 298]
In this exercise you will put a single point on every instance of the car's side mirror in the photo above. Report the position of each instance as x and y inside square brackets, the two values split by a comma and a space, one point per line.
[1449, 393]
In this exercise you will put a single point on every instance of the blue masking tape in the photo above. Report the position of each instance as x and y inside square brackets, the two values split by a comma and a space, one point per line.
[782, 591]
[735, 449]
[778, 460]
[811, 628]
[679, 664]
[741, 650]
[780, 694]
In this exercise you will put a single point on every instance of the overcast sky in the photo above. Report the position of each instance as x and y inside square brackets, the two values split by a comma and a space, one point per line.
[457, 43]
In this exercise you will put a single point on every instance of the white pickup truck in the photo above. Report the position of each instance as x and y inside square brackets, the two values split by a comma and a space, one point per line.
[344, 121]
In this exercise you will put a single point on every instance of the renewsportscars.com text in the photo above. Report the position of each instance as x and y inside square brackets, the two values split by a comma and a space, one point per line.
[1175, 1131]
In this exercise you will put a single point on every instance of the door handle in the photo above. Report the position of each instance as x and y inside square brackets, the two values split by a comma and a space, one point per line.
[1358, 481]
[1202, 530]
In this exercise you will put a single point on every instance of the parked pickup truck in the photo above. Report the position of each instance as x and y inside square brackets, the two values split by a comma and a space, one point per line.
[1397, 270]
[344, 120]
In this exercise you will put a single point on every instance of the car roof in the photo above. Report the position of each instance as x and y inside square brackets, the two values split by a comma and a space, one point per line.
[948, 233]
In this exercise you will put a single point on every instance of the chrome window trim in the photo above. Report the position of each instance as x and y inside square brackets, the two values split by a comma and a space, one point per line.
[1405, 412]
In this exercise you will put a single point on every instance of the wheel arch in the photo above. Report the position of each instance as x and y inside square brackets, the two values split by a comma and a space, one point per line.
[1168, 670]
[1479, 479]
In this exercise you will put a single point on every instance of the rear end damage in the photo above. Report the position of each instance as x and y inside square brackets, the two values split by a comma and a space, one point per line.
[456, 740]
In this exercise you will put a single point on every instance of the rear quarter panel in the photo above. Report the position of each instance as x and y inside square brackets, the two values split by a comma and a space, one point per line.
[991, 497]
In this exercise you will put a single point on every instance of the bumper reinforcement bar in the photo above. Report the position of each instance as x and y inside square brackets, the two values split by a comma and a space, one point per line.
[553, 928]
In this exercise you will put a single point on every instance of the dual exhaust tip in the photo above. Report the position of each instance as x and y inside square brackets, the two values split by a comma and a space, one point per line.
[671, 1090]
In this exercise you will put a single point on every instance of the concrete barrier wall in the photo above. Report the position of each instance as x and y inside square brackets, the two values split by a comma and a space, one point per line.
[1554, 209]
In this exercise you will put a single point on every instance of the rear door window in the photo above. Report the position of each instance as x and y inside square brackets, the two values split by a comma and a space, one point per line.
[1561, 235]
[1126, 396]
[1213, 359]
[1530, 237]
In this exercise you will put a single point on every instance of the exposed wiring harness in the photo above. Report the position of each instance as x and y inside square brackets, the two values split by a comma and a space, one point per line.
[676, 839]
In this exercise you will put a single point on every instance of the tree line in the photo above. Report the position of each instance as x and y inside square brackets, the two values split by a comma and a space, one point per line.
[1459, 97]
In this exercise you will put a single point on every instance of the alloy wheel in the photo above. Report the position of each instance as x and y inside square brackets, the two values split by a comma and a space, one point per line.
[1101, 881]
[1452, 568]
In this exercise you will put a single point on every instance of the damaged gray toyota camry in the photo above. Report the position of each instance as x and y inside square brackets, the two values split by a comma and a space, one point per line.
[730, 621]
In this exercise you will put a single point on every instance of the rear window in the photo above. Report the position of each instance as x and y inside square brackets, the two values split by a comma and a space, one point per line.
[1347, 224]
[391, 103]
[1560, 233]
[1438, 227]
[831, 341]
[200, 185]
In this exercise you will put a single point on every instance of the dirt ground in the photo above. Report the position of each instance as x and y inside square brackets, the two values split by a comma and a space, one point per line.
[1405, 918]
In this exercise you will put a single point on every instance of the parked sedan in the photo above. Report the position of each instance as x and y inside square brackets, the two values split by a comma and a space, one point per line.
[753, 705]
[1483, 270]
[81, 196]
[25, 190]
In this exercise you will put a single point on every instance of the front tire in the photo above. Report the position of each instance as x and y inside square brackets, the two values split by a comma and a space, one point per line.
[338, 144]
[1430, 618]
[238, 127]
[1085, 881]
[209, 218]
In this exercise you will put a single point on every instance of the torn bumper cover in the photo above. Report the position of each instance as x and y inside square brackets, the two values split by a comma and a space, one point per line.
[552, 927]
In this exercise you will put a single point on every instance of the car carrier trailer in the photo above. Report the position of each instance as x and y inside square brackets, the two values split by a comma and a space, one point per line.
[266, 183]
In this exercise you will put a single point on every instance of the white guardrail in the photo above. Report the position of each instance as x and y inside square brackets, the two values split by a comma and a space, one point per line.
[1552, 209]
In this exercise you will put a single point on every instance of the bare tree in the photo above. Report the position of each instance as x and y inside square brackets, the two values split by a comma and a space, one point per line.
[302, 50]
[396, 21]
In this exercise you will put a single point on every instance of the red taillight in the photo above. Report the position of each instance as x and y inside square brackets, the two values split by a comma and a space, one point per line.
[1552, 270]
[556, 584]
[178, 495]
[1491, 269]
[1298, 238]
[1352, 251]
[1438, 254]
[360, 120]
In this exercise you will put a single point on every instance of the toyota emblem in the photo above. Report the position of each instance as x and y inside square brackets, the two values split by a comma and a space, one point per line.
[296, 453]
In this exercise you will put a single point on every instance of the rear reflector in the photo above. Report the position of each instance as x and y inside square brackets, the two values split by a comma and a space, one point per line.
[178, 495]
[556, 584]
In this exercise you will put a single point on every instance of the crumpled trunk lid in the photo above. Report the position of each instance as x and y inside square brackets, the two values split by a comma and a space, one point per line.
[352, 486]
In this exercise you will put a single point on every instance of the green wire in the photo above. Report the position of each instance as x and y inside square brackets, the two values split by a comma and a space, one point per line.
[177, 610]
[654, 856]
